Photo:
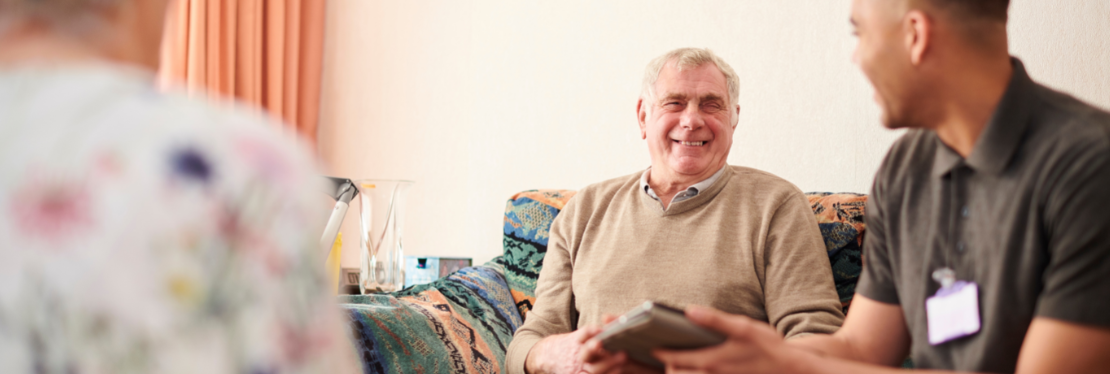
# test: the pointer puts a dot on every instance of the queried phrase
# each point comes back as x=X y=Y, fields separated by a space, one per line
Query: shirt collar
x=946 y=158
x=1000 y=139
x=697 y=187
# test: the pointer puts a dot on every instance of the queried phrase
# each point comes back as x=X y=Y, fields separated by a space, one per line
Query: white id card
x=953 y=312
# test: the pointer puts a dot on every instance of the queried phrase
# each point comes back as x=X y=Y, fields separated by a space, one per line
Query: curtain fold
x=264 y=52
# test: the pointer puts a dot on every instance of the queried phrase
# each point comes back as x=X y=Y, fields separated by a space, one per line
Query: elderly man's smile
x=691 y=144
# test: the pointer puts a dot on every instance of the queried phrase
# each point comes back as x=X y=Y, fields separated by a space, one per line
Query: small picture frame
x=348 y=281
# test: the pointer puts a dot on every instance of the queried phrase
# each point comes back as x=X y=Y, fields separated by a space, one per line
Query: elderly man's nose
x=692 y=119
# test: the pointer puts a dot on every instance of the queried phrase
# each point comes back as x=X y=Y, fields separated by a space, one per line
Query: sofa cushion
x=840 y=218
x=458 y=324
x=528 y=218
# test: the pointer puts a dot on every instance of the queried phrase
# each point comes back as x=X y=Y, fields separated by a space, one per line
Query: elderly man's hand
x=752 y=347
x=577 y=353
x=559 y=354
x=596 y=360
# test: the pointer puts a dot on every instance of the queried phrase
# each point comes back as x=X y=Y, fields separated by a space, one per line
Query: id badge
x=953 y=312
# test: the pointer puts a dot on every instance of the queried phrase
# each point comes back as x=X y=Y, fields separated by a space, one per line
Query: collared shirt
x=1026 y=216
x=681 y=195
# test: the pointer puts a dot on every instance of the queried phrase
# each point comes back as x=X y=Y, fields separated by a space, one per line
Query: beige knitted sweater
x=748 y=244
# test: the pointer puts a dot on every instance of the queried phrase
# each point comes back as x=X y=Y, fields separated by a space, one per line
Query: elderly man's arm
x=799 y=294
x=553 y=316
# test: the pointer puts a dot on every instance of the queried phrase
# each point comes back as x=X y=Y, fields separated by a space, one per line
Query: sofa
x=463 y=323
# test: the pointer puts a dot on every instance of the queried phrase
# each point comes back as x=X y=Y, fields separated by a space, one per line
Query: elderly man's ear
x=736 y=117
x=641 y=116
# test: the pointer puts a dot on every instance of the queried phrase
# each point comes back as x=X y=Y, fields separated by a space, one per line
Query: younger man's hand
x=751 y=347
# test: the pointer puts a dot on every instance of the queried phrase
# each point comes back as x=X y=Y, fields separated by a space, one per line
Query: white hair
x=689 y=58
x=79 y=17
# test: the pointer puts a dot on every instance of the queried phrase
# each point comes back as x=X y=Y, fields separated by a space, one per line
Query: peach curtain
x=264 y=52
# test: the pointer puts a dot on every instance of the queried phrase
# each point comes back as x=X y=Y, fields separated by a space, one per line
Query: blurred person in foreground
x=690 y=229
x=145 y=232
x=988 y=232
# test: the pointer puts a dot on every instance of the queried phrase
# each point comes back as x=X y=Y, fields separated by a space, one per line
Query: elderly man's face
x=690 y=123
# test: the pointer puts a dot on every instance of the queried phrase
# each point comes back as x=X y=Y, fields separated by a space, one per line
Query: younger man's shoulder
x=1071 y=123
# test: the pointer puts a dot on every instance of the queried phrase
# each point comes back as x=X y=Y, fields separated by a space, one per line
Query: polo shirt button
x=964 y=212
x=961 y=247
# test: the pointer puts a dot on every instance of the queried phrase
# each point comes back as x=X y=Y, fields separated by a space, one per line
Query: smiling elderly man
x=689 y=230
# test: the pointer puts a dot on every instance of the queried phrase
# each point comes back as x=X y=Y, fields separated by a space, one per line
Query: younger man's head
x=913 y=51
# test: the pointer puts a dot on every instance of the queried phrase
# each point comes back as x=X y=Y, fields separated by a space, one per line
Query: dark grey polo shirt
x=1026 y=216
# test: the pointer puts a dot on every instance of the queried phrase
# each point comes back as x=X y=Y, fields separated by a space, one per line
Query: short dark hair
x=983 y=10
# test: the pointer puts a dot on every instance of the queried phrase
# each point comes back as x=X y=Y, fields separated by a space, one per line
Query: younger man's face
x=882 y=53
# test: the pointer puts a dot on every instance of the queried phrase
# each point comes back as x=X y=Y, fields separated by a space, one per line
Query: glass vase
x=382 y=217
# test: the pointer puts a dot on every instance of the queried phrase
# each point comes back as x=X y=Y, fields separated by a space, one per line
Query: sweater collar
x=716 y=183
x=687 y=194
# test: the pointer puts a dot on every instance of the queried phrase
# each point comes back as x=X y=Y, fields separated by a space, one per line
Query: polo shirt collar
x=1000 y=139
x=945 y=160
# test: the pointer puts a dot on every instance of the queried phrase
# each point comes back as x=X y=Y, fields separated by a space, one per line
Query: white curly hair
x=689 y=58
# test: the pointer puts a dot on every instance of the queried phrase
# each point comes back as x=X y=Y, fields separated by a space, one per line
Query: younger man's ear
x=918 y=28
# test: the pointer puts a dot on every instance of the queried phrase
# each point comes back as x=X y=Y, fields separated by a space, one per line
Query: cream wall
x=477 y=100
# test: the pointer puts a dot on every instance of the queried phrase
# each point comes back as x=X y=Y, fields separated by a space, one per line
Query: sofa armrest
x=461 y=323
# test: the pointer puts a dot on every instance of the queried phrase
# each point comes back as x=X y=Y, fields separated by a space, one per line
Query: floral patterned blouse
x=144 y=232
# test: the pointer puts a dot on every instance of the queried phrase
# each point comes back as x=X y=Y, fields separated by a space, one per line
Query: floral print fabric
x=145 y=232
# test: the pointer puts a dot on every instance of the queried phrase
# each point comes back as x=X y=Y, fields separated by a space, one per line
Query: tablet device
x=652 y=326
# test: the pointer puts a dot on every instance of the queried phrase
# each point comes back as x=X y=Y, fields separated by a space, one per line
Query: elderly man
x=987 y=247
x=689 y=230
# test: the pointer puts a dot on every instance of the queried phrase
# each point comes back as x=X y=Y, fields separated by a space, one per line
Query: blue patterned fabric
x=528 y=218
x=458 y=324
x=841 y=220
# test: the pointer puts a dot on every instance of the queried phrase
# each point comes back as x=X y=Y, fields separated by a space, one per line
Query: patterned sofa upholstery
x=463 y=323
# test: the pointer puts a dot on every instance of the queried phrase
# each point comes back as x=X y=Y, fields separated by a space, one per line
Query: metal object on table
x=343 y=190
x=381 y=217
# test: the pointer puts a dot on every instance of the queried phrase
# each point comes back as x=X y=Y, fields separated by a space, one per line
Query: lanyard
x=946 y=276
